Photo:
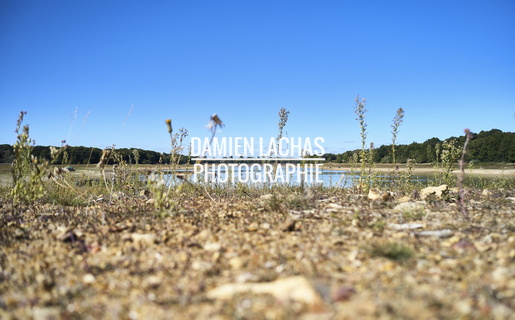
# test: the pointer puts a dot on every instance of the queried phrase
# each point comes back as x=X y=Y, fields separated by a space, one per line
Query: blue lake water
x=326 y=178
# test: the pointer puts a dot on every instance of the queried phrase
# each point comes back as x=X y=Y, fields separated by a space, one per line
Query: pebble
x=445 y=233
x=88 y=278
x=408 y=206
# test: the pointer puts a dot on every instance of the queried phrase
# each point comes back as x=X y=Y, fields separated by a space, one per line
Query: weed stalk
x=360 y=112
x=463 y=209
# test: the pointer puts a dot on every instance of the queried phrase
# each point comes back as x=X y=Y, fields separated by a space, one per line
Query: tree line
x=486 y=146
x=91 y=155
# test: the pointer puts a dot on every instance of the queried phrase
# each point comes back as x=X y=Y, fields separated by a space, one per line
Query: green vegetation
x=360 y=113
x=397 y=121
x=117 y=172
x=390 y=250
x=157 y=184
x=493 y=146
x=90 y=155
x=27 y=170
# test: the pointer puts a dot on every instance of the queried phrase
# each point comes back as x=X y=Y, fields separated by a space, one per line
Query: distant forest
x=85 y=155
x=486 y=146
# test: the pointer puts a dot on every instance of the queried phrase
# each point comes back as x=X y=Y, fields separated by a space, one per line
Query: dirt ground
x=294 y=255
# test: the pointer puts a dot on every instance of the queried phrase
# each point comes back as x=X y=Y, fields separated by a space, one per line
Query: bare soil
x=292 y=255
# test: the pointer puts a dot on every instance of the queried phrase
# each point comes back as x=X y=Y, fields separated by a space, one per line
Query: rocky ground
x=294 y=255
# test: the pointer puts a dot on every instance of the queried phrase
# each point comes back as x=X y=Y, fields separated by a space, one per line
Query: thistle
x=214 y=122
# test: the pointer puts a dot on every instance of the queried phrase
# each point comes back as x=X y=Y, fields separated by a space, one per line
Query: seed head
x=214 y=122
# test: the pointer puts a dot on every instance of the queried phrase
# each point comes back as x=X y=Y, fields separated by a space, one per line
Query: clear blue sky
x=450 y=64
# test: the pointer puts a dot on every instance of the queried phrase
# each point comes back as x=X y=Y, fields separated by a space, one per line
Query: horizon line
x=259 y=159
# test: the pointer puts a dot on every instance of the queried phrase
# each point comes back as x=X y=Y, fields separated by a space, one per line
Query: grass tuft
x=390 y=250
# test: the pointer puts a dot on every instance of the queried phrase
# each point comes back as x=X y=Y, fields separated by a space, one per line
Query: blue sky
x=78 y=67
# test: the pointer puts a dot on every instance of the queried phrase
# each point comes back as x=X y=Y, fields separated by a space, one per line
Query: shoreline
x=93 y=171
x=428 y=170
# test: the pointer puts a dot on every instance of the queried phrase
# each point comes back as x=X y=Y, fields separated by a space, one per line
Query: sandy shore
x=499 y=170
x=427 y=170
